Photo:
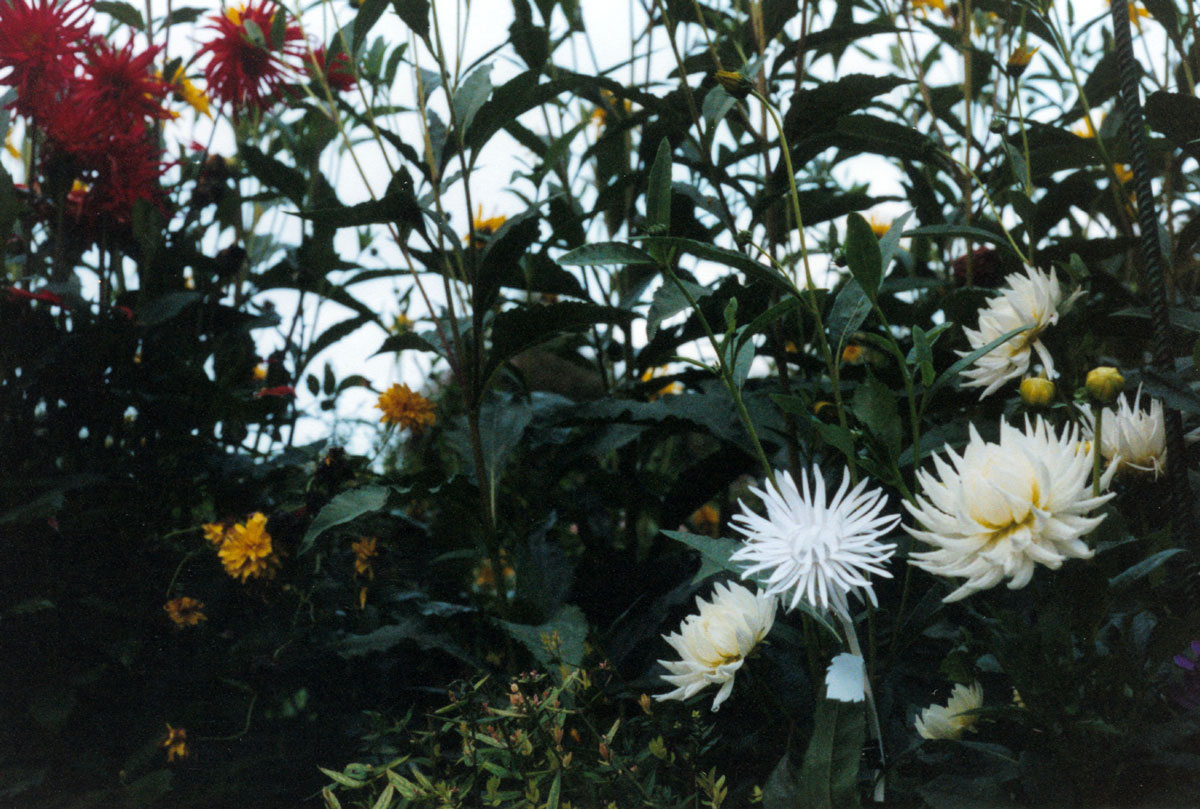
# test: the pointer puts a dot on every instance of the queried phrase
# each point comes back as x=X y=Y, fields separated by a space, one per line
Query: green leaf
x=863 y=254
x=471 y=96
x=605 y=253
x=947 y=376
x=850 y=309
x=342 y=509
x=669 y=300
x=121 y=12
x=10 y=206
x=408 y=341
x=415 y=14
x=890 y=242
x=562 y=638
x=964 y=232
x=658 y=191
x=502 y=422
x=828 y=778
x=721 y=255
x=1142 y=568
x=714 y=553
x=368 y=14
x=410 y=629
x=875 y=406
x=274 y=174
x=515 y=330
x=835 y=436
x=165 y=307
x=921 y=355
x=781 y=790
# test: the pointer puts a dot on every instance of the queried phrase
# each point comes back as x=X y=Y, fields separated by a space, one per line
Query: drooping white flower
x=998 y=509
x=1131 y=439
x=818 y=550
x=1033 y=301
x=958 y=714
x=713 y=643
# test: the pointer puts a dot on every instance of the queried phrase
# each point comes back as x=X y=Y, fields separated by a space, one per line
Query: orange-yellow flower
x=403 y=406
x=878 y=226
x=853 y=355
x=706 y=520
x=484 y=226
x=217 y=532
x=668 y=390
x=185 y=611
x=923 y=6
x=248 y=553
x=1019 y=60
x=364 y=551
x=485 y=575
x=600 y=114
x=175 y=743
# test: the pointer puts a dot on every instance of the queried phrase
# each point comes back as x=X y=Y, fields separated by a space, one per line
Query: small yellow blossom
x=403 y=323
x=260 y=373
x=706 y=520
x=1104 y=383
x=216 y=532
x=878 y=226
x=485 y=575
x=600 y=114
x=175 y=743
x=1085 y=128
x=403 y=406
x=923 y=6
x=1122 y=172
x=247 y=553
x=484 y=226
x=1019 y=59
x=185 y=611
x=365 y=550
x=672 y=389
x=234 y=13
x=853 y=354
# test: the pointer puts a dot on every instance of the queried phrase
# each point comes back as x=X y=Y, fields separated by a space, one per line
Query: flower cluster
x=1031 y=301
x=714 y=643
x=258 y=52
x=245 y=549
x=999 y=509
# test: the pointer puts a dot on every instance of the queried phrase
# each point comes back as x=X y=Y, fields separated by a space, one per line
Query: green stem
x=873 y=726
x=1097 y=418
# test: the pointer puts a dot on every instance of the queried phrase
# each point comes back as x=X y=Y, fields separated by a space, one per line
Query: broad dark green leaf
x=850 y=309
x=274 y=174
x=1142 y=568
x=406 y=342
x=342 y=509
x=724 y=256
x=515 y=330
x=670 y=300
x=863 y=254
x=165 y=307
x=828 y=778
x=560 y=640
x=471 y=95
x=658 y=191
x=368 y=14
x=605 y=253
x=875 y=406
x=415 y=14
x=121 y=12
x=714 y=553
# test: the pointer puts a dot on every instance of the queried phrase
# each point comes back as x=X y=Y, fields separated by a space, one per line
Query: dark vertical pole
x=1153 y=264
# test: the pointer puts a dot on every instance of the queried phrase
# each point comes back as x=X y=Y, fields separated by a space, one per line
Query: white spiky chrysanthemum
x=997 y=510
x=958 y=714
x=820 y=551
x=713 y=643
x=1132 y=439
x=1033 y=301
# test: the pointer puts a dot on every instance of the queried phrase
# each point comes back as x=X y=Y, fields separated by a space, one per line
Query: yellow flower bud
x=1037 y=391
x=1104 y=383
x=734 y=83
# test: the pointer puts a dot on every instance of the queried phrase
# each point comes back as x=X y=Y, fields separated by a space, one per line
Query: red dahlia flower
x=123 y=85
x=339 y=75
x=39 y=44
x=243 y=68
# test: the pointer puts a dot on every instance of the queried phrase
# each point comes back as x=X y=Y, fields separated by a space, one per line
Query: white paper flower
x=1032 y=300
x=1132 y=439
x=714 y=643
x=998 y=509
x=950 y=720
x=820 y=551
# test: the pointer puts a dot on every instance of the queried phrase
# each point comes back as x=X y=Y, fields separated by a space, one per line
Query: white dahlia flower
x=1131 y=439
x=958 y=714
x=714 y=643
x=819 y=550
x=997 y=509
x=1032 y=300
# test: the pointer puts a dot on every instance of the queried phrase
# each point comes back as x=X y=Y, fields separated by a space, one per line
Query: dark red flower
x=121 y=84
x=40 y=44
x=17 y=294
x=281 y=391
x=244 y=69
x=339 y=75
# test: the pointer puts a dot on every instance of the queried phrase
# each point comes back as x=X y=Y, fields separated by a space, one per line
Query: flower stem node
x=1037 y=391
x=1105 y=383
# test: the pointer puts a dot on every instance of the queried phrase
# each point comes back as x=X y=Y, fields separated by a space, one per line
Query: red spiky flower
x=338 y=73
x=40 y=44
x=244 y=69
x=121 y=84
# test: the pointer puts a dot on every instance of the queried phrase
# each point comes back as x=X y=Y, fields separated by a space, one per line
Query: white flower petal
x=846 y=679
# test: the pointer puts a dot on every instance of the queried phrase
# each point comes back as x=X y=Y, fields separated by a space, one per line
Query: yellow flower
x=1104 y=383
x=1085 y=128
x=364 y=551
x=706 y=520
x=1037 y=391
x=403 y=323
x=1019 y=60
x=734 y=83
x=957 y=715
x=234 y=13
x=878 y=226
x=216 y=532
x=485 y=575
x=187 y=92
x=175 y=743
x=853 y=355
x=923 y=6
x=247 y=553
x=260 y=373
x=600 y=114
x=484 y=226
x=403 y=406
x=185 y=611
x=1122 y=173
x=669 y=390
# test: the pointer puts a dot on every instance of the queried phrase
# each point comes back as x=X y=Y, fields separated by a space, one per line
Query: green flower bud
x=1105 y=383
x=1037 y=391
